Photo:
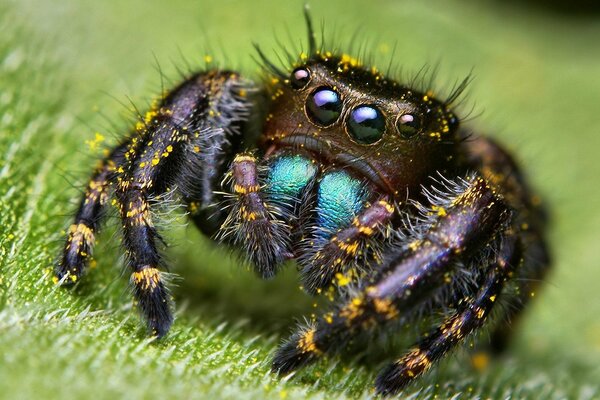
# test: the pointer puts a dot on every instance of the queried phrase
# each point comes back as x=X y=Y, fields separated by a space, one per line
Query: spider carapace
x=390 y=207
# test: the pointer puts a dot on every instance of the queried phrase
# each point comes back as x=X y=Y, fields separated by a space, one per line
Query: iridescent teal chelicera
x=288 y=175
x=340 y=197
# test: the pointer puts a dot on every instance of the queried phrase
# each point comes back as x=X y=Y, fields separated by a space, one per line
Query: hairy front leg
x=264 y=207
x=336 y=260
x=465 y=222
x=498 y=166
x=472 y=313
x=178 y=146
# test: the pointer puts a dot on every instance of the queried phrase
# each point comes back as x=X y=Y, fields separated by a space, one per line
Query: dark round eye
x=366 y=124
x=453 y=122
x=300 y=78
x=324 y=106
x=408 y=125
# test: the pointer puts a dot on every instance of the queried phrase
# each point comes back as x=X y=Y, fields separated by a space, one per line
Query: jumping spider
x=386 y=203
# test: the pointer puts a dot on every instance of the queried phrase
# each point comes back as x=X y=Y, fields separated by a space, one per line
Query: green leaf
x=67 y=71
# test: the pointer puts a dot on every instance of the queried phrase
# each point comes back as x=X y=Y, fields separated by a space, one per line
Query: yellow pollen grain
x=385 y=307
x=414 y=245
x=440 y=211
x=150 y=116
x=95 y=143
x=352 y=310
x=342 y=280
x=480 y=360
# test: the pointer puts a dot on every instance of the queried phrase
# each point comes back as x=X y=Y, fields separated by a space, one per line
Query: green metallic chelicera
x=289 y=175
x=339 y=199
x=339 y=196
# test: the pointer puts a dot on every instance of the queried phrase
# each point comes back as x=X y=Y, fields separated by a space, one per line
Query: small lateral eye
x=366 y=124
x=300 y=78
x=453 y=123
x=324 y=106
x=408 y=125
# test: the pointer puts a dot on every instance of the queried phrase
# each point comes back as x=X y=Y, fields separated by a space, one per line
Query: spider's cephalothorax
x=387 y=205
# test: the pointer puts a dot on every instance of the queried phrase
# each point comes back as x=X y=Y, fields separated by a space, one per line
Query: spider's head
x=349 y=115
x=346 y=114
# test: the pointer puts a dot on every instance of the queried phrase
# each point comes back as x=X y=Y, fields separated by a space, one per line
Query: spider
x=390 y=207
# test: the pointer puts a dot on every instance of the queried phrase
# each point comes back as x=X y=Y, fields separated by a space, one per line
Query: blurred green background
x=69 y=69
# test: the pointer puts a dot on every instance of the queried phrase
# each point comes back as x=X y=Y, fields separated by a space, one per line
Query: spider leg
x=469 y=221
x=497 y=165
x=194 y=117
x=81 y=237
x=139 y=239
x=178 y=142
x=536 y=263
x=337 y=256
x=471 y=315
x=255 y=224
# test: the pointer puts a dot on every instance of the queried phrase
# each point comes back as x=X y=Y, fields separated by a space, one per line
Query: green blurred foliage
x=69 y=70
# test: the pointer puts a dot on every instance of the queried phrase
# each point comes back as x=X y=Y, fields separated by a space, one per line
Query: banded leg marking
x=253 y=222
x=82 y=232
x=407 y=277
x=470 y=316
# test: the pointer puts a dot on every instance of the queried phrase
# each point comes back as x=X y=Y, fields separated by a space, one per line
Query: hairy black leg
x=139 y=239
x=177 y=146
x=497 y=165
x=536 y=262
x=177 y=141
x=82 y=232
x=464 y=224
x=336 y=261
x=471 y=315
x=253 y=223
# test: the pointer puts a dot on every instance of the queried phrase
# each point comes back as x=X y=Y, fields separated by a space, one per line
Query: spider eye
x=408 y=125
x=366 y=124
x=324 y=106
x=453 y=123
x=300 y=78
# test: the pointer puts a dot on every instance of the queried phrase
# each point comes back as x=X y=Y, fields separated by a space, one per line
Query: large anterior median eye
x=366 y=124
x=324 y=106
